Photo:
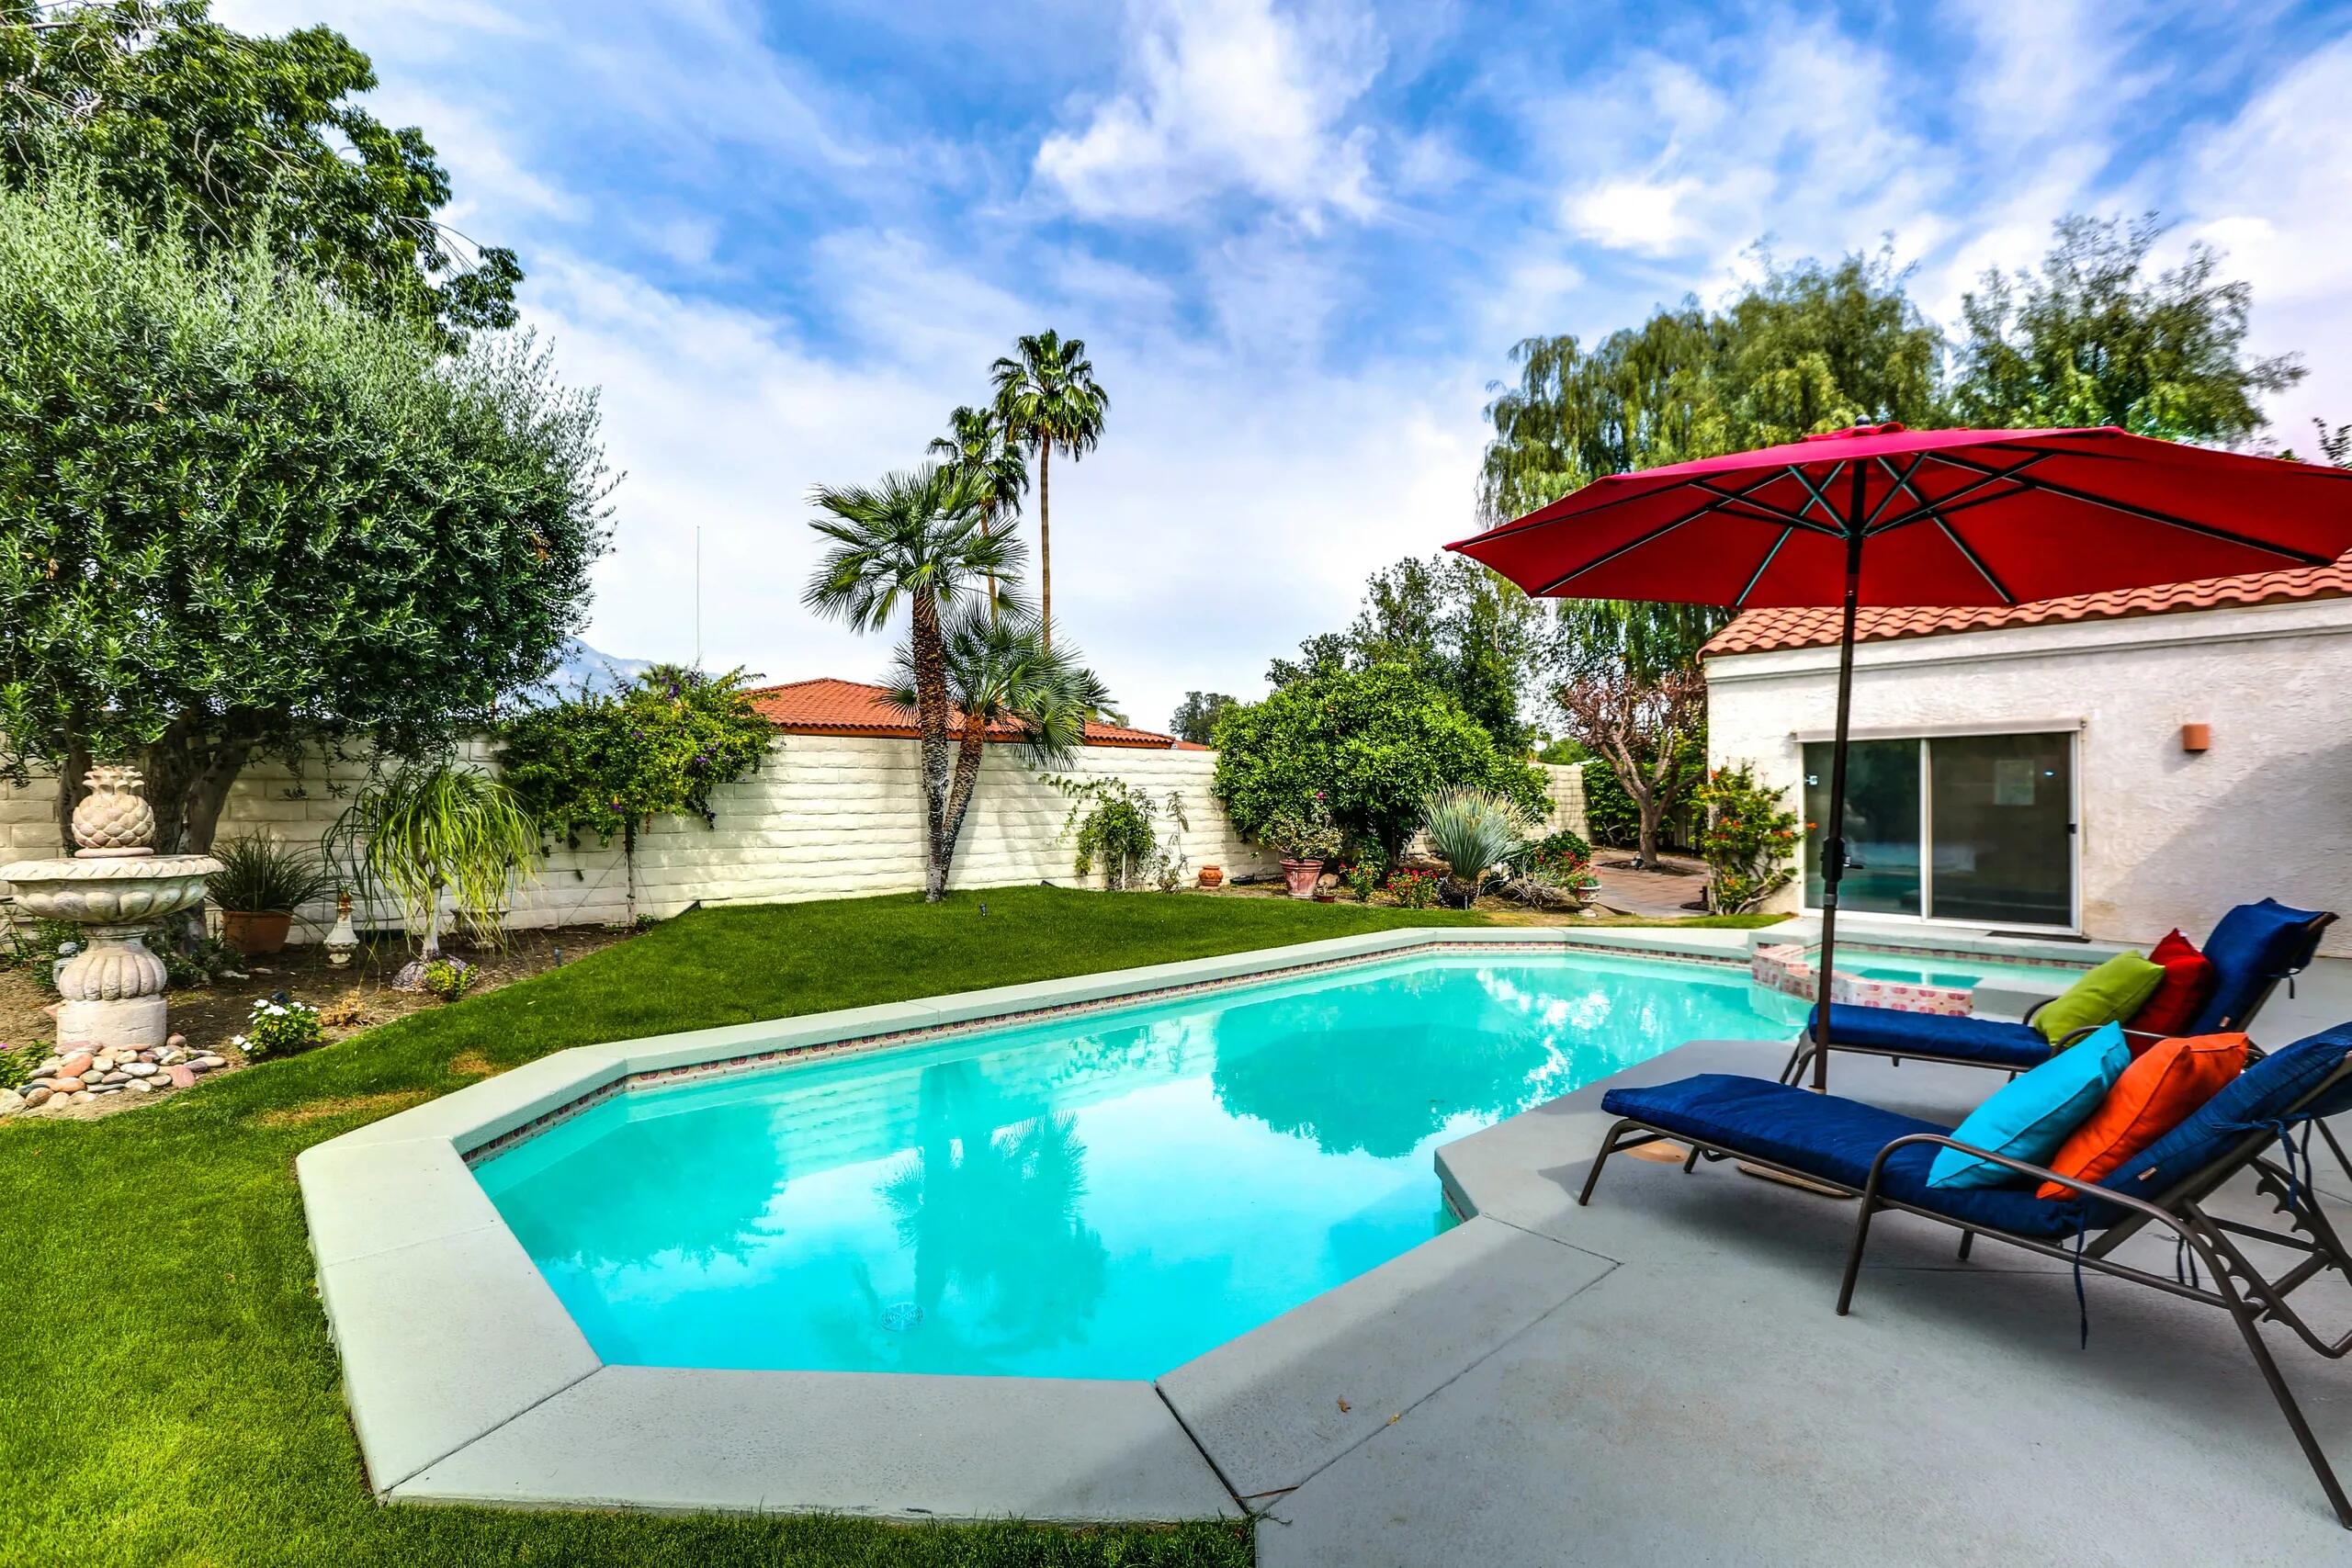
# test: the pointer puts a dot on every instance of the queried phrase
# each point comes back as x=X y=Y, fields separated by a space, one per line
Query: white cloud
x=1226 y=95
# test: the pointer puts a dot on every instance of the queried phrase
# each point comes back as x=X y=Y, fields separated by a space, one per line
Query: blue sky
x=1299 y=240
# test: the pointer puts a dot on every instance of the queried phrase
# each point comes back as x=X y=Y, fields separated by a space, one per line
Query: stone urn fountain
x=115 y=887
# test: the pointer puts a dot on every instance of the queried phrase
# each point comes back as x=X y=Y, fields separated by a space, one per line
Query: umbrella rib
x=1663 y=529
x=1977 y=561
x=1746 y=497
x=1958 y=499
x=1902 y=486
x=1798 y=474
x=1771 y=554
x=2149 y=515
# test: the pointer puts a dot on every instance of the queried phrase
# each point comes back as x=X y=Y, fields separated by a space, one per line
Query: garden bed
x=350 y=999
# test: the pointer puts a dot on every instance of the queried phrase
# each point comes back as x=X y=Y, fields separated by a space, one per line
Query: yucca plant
x=265 y=876
x=1474 y=832
x=431 y=827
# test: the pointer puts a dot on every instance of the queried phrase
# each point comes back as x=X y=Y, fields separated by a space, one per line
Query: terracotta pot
x=255 y=932
x=1212 y=876
x=1301 y=875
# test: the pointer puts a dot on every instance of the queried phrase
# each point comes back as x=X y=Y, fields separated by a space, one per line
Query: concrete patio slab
x=1279 y=1403
x=1679 y=1414
x=891 y=1447
x=443 y=1340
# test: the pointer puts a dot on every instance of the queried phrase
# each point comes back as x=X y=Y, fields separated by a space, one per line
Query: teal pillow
x=2030 y=1116
x=2116 y=989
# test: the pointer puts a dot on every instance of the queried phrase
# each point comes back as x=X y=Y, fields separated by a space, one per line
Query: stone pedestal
x=135 y=1021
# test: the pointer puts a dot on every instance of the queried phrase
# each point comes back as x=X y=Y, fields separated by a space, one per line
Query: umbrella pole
x=1833 y=845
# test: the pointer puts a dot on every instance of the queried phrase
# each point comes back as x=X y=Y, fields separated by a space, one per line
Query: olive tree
x=242 y=517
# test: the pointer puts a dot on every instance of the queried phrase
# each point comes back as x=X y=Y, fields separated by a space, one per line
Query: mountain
x=582 y=666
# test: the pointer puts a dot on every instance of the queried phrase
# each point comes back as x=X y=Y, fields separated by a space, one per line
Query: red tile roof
x=827 y=707
x=1758 y=631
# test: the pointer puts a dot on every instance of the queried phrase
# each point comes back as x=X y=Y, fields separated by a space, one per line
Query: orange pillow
x=2155 y=1095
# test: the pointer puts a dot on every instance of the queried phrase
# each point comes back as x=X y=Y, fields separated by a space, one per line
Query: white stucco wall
x=2167 y=838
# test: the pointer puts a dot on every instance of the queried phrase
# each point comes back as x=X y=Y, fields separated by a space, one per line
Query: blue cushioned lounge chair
x=1883 y=1158
x=2253 y=948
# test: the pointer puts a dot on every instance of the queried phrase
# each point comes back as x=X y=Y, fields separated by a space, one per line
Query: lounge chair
x=2253 y=948
x=1883 y=1158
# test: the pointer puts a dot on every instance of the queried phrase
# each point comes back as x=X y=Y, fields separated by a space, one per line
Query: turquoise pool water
x=1104 y=1196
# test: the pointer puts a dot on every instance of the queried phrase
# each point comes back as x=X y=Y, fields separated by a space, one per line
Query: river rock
x=182 y=1076
x=141 y=1070
x=10 y=1103
x=68 y=1085
x=74 y=1064
x=83 y=1098
x=50 y=1066
x=141 y=1085
x=36 y=1096
x=208 y=1063
x=117 y=1078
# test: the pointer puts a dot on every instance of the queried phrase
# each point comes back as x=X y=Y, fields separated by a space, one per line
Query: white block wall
x=824 y=817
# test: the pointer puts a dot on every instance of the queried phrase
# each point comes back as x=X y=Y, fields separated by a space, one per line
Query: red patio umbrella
x=1881 y=515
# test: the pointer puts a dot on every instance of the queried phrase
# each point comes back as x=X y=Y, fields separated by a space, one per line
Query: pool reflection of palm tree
x=992 y=1206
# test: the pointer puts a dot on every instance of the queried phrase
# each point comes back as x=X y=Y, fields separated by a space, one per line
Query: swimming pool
x=1100 y=1196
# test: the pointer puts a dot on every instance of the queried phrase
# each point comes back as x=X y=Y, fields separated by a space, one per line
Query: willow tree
x=246 y=517
x=1047 y=401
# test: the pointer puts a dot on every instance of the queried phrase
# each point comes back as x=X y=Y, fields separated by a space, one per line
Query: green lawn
x=167 y=1394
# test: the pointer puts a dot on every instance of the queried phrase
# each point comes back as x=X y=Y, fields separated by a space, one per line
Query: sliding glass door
x=1953 y=827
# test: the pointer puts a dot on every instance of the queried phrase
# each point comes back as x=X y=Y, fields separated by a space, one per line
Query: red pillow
x=2188 y=985
x=2155 y=1095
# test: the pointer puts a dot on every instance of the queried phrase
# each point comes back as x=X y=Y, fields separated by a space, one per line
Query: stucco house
x=2111 y=765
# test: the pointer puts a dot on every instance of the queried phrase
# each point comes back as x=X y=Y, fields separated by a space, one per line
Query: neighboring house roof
x=827 y=707
x=1761 y=631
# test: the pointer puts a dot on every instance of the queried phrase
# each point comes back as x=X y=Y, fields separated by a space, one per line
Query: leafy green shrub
x=35 y=945
x=187 y=963
x=1377 y=740
x=434 y=826
x=1113 y=824
x=279 y=1026
x=264 y=876
x=1364 y=878
x=1749 y=839
x=608 y=764
x=1560 y=855
x=448 y=978
x=16 y=1064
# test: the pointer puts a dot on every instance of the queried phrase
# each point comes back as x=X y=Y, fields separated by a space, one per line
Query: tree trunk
x=1045 y=541
x=76 y=763
x=930 y=716
x=1652 y=808
x=628 y=868
x=973 y=737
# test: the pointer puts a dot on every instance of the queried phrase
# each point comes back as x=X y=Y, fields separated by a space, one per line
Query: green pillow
x=2108 y=994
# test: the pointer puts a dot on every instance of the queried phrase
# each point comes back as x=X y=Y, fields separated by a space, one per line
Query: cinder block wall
x=825 y=816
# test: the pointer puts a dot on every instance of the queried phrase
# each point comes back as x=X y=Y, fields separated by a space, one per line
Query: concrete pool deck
x=1659 y=1377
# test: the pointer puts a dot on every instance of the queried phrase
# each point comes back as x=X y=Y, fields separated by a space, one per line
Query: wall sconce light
x=2196 y=736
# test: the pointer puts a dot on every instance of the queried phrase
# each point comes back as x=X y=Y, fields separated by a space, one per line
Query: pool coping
x=468 y=1382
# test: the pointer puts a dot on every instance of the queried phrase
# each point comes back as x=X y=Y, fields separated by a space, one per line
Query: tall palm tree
x=977 y=440
x=1002 y=674
x=916 y=540
x=1048 y=401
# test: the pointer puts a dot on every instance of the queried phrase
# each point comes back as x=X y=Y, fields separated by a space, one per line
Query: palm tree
x=977 y=440
x=915 y=538
x=1047 y=401
x=1002 y=674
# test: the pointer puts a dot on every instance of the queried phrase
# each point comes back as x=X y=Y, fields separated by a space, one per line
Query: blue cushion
x=1986 y=1041
x=1835 y=1140
x=2029 y=1117
x=2257 y=1097
x=2254 y=945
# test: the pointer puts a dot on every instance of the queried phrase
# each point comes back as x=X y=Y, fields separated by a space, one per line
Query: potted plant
x=1305 y=837
x=259 y=885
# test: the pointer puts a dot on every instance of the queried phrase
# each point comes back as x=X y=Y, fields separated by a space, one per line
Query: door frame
x=1924 y=734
